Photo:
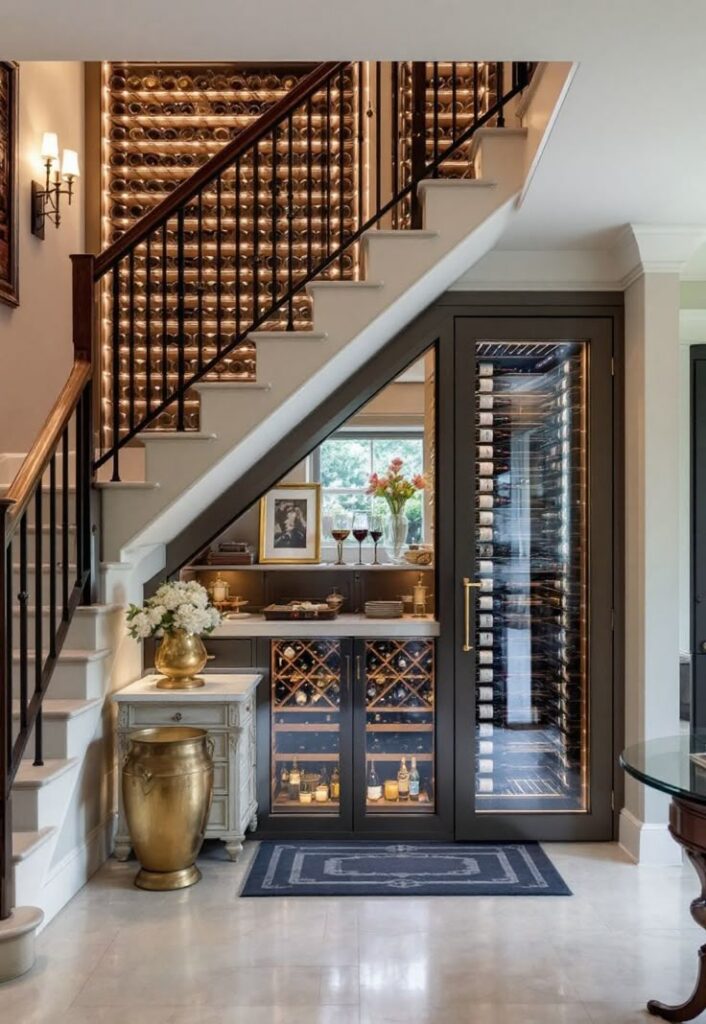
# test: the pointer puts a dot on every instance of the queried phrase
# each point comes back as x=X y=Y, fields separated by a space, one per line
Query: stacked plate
x=383 y=609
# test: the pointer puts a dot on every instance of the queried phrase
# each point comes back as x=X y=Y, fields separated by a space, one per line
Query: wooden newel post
x=6 y=873
x=84 y=309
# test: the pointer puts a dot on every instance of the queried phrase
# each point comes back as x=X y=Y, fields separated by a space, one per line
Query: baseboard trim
x=648 y=843
x=75 y=868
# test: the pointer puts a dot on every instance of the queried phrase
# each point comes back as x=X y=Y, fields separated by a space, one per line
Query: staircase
x=69 y=652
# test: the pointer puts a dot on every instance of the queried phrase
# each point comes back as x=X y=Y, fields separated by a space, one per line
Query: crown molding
x=655 y=249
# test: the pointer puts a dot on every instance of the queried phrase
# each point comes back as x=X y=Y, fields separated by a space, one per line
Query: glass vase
x=395 y=536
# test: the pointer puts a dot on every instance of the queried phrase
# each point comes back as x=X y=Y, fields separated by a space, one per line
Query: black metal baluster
x=327 y=196
x=23 y=597
x=65 y=528
x=476 y=98
x=38 y=661
x=255 y=312
x=165 y=321
x=418 y=149
x=52 y=557
x=219 y=265
x=309 y=186
x=341 y=154
x=78 y=497
x=6 y=887
x=116 y=373
x=273 y=214
x=148 y=325
x=199 y=283
x=499 y=92
x=360 y=140
x=395 y=140
x=435 y=112
x=237 y=249
x=290 y=223
x=453 y=101
x=378 y=137
x=181 y=420
x=88 y=594
x=131 y=340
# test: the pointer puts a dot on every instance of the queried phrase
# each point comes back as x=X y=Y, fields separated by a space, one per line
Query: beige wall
x=35 y=338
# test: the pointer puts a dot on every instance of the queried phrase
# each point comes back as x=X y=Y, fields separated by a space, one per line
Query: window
x=344 y=462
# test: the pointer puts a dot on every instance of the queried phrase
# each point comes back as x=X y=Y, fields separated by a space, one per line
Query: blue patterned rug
x=355 y=868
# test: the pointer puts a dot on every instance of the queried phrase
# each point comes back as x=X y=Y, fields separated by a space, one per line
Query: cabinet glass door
x=307 y=680
x=535 y=581
x=399 y=682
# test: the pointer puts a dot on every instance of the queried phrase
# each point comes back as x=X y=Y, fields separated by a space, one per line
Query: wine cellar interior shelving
x=531 y=699
x=306 y=726
x=399 y=702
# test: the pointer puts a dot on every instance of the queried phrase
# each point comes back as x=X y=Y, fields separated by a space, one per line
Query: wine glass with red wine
x=340 y=531
x=376 y=535
x=360 y=532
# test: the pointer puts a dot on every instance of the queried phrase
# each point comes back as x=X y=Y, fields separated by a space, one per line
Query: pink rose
x=419 y=481
x=397 y=463
x=383 y=482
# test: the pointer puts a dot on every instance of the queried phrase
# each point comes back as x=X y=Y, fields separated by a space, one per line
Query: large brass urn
x=167 y=787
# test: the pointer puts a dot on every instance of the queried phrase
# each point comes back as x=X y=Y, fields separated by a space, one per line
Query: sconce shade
x=69 y=164
x=50 y=146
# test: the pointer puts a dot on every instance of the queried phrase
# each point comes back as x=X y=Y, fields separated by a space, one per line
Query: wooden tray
x=291 y=612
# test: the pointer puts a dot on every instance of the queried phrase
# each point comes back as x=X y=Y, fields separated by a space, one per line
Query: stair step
x=68 y=726
x=92 y=628
x=30 y=776
x=231 y=385
x=60 y=709
x=125 y=485
x=40 y=793
x=332 y=286
x=171 y=435
x=25 y=843
x=77 y=675
x=413 y=234
x=258 y=336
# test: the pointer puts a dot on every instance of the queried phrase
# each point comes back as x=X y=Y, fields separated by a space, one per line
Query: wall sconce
x=46 y=202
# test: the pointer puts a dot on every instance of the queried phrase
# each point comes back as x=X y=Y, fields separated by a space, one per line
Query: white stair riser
x=351 y=308
x=31 y=579
x=87 y=632
x=37 y=807
x=71 y=680
x=399 y=261
x=171 y=451
x=498 y=153
x=30 y=873
x=63 y=737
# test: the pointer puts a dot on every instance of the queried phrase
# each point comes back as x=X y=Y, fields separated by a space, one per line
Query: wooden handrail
x=215 y=166
x=32 y=469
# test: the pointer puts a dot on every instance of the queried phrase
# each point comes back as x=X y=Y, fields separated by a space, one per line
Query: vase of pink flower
x=396 y=489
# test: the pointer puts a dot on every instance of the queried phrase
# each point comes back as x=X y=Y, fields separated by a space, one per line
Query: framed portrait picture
x=290 y=524
x=9 y=76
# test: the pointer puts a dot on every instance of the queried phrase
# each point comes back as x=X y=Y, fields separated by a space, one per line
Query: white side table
x=225 y=706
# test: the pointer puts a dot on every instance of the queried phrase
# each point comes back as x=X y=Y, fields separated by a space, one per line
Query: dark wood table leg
x=687 y=823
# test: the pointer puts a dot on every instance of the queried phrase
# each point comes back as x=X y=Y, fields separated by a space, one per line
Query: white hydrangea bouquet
x=175 y=606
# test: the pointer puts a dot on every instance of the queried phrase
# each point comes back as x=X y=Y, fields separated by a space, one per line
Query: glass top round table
x=674 y=765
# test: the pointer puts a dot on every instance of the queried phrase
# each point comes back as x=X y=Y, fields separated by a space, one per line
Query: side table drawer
x=200 y=715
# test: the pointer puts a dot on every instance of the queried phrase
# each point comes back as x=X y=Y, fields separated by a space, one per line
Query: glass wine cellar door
x=534 y=578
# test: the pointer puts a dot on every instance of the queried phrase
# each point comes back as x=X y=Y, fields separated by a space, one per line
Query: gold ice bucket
x=167 y=787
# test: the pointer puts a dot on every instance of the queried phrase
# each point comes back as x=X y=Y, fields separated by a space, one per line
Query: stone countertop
x=345 y=625
x=220 y=686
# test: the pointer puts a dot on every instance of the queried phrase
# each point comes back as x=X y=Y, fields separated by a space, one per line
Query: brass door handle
x=467 y=585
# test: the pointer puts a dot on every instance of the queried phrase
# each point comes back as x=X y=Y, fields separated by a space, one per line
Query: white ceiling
x=630 y=142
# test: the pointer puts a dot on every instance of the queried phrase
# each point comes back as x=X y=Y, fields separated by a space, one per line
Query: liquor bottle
x=295 y=780
x=374 y=786
x=413 y=780
x=335 y=784
x=284 y=782
x=403 y=780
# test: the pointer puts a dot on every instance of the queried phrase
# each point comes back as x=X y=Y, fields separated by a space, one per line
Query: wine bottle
x=295 y=780
x=335 y=783
x=374 y=786
x=413 y=781
x=403 y=780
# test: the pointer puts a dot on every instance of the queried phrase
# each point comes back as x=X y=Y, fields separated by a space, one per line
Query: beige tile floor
x=204 y=956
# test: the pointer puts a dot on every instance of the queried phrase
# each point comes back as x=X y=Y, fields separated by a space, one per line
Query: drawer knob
x=177 y=717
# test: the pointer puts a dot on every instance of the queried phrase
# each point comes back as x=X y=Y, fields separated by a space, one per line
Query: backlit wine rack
x=531 y=674
x=399 y=685
x=161 y=122
x=305 y=717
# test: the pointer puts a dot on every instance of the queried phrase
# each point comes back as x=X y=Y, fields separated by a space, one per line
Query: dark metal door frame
x=698 y=536
x=597 y=822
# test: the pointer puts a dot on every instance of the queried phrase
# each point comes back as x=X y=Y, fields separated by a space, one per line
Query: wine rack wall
x=531 y=697
x=161 y=122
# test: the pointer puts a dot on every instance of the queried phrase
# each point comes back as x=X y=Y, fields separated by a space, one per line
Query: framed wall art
x=290 y=518
x=9 y=79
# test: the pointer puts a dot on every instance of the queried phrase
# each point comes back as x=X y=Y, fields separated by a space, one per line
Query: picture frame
x=9 y=255
x=290 y=525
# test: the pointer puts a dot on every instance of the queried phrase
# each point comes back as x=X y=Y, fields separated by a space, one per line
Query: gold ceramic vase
x=167 y=788
x=179 y=657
